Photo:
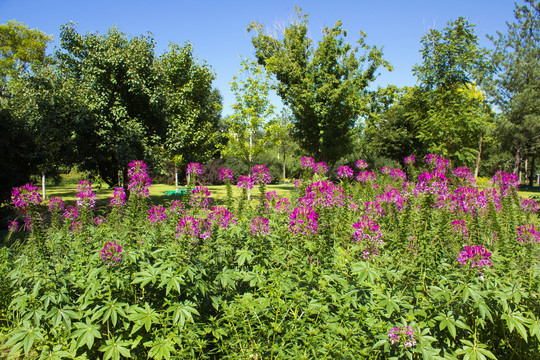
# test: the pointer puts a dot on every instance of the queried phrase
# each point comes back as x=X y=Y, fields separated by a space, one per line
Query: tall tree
x=325 y=87
x=247 y=134
x=451 y=113
x=516 y=88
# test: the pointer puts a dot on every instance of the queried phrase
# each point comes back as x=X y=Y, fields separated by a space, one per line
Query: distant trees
x=324 y=87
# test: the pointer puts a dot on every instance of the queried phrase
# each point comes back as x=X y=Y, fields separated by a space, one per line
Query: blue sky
x=217 y=29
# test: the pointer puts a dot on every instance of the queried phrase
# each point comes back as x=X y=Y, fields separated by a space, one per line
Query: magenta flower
x=111 y=253
x=320 y=168
x=303 y=221
x=193 y=227
x=437 y=162
x=460 y=227
x=282 y=206
x=118 y=198
x=322 y=194
x=409 y=160
x=226 y=175
x=85 y=196
x=222 y=217
x=99 y=220
x=176 y=207
x=194 y=169
x=527 y=234
x=397 y=174
x=56 y=204
x=366 y=177
x=245 y=182
x=200 y=197
x=26 y=196
x=308 y=162
x=475 y=256
x=345 y=172
x=529 y=205
x=298 y=183
x=13 y=226
x=261 y=175
x=368 y=233
x=139 y=180
x=157 y=214
x=71 y=213
x=508 y=183
x=260 y=227
x=361 y=164
x=462 y=173
x=403 y=336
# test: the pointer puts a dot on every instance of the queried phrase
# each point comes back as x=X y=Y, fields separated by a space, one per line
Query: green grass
x=218 y=193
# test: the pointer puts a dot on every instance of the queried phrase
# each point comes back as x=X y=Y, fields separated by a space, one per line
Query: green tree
x=451 y=113
x=516 y=88
x=21 y=49
x=247 y=128
x=325 y=88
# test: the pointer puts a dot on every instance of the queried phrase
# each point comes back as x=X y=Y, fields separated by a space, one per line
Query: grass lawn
x=218 y=193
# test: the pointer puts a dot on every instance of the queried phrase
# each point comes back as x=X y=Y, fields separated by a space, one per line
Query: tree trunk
x=43 y=185
x=531 y=175
x=284 y=169
x=517 y=160
x=478 y=159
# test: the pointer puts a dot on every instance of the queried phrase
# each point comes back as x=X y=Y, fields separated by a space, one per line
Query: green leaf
x=113 y=348
x=86 y=333
x=160 y=349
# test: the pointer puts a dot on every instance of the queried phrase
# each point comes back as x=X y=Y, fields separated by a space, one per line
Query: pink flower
x=222 y=217
x=56 y=204
x=409 y=160
x=111 y=253
x=118 y=198
x=460 y=227
x=361 y=164
x=527 y=234
x=308 y=162
x=157 y=214
x=26 y=196
x=85 y=196
x=200 y=197
x=366 y=177
x=194 y=169
x=139 y=180
x=475 y=256
x=259 y=227
x=245 y=182
x=323 y=194
x=508 y=183
x=226 y=175
x=403 y=335
x=345 y=172
x=303 y=221
x=261 y=175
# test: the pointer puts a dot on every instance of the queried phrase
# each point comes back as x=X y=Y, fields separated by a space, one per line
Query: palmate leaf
x=160 y=349
x=114 y=348
x=62 y=315
x=86 y=333
x=182 y=313
x=143 y=317
x=55 y=353
x=24 y=337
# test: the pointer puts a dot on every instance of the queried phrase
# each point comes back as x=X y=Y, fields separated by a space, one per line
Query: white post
x=176 y=177
x=43 y=185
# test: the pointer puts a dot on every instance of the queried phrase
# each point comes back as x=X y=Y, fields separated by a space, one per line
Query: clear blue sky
x=217 y=28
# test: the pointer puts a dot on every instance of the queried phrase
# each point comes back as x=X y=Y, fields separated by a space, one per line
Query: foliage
x=515 y=89
x=385 y=270
x=324 y=87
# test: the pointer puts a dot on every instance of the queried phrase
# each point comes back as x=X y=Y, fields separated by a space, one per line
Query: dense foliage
x=421 y=264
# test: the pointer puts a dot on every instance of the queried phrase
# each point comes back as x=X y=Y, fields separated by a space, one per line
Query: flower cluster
x=431 y=183
x=303 y=221
x=139 y=180
x=71 y=213
x=366 y=177
x=439 y=163
x=460 y=227
x=529 y=205
x=282 y=206
x=323 y=194
x=394 y=173
x=118 y=198
x=318 y=168
x=193 y=227
x=157 y=214
x=261 y=175
x=345 y=172
x=245 y=182
x=508 y=183
x=13 y=226
x=111 y=253
x=226 y=175
x=176 y=207
x=85 y=196
x=463 y=173
x=259 y=227
x=25 y=196
x=361 y=164
x=409 y=160
x=527 y=234
x=392 y=196
x=402 y=335
x=194 y=169
x=200 y=197
x=475 y=256
x=308 y=162
x=222 y=217
x=368 y=233
x=56 y=204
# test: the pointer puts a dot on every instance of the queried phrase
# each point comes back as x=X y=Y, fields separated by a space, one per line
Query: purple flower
x=323 y=194
x=118 y=198
x=368 y=233
x=361 y=164
x=26 y=196
x=200 y=197
x=226 y=175
x=85 y=196
x=56 y=204
x=99 y=220
x=475 y=256
x=111 y=253
x=194 y=169
x=320 y=168
x=527 y=234
x=462 y=173
x=529 y=205
x=345 y=172
x=437 y=162
x=397 y=174
x=71 y=213
x=403 y=336
x=13 y=226
x=308 y=162
x=460 y=227
x=245 y=182
x=366 y=177
x=139 y=180
x=222 y=217
x=176 y=207
x=193 y=227
x=508 y=183
x=157 y=214
x=282 y=206
x=259 y=227
x=409 y=160
x=261 y=175
x=303 y=221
